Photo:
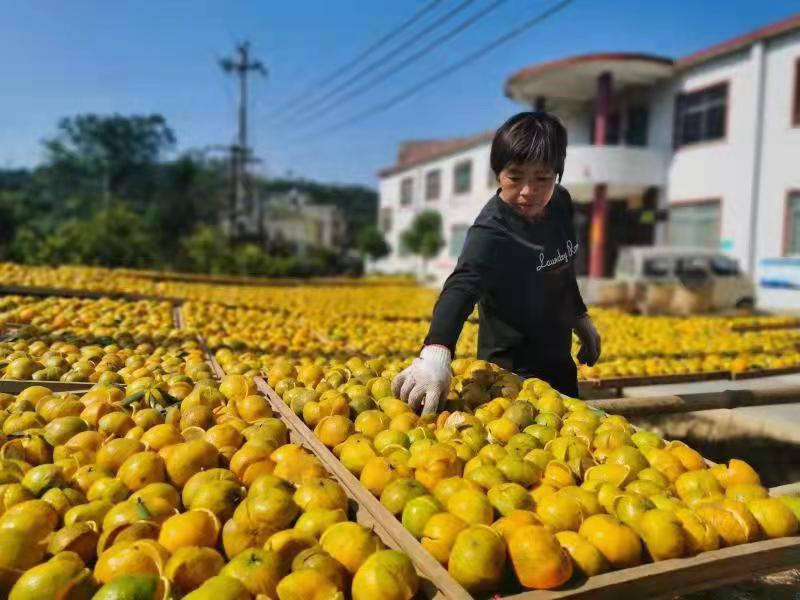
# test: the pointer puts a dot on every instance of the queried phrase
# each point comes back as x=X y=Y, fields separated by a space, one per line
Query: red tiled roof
x=584 y=58
x=416 y=152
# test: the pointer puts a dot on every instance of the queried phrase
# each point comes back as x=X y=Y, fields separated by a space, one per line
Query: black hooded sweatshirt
x=522 y=275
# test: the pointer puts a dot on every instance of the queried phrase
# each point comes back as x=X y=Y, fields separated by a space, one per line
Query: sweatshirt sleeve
x=579 y=307
x=462 y=289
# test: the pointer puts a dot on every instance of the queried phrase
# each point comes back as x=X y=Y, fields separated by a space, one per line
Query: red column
x=597 y=232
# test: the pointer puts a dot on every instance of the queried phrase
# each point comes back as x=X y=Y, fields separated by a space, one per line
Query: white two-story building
x=702 y=150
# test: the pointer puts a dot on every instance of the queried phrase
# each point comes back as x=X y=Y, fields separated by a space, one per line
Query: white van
x=728 y=286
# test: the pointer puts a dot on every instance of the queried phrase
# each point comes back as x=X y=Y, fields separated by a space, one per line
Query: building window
x=406 y=191
x=386 y=220
x=402 y=249
x=433 y=185
x=462 y=177
x=457 y=236
x=793 y=224
x=636 y=127
x=695 y=225
x=796 y=106
x=701 y=116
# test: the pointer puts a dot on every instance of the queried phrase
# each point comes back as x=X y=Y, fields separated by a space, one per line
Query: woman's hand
x=590 y=340
x=426 y=382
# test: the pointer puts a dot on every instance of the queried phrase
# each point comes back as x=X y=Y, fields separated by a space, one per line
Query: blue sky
x=63 y=58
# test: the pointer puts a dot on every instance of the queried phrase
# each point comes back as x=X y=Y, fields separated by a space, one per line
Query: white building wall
x=779 y=163
x=455 y=209
x=721 y=169
x=780 y=159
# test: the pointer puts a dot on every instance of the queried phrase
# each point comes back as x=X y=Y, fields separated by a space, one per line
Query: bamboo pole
x=662 y=405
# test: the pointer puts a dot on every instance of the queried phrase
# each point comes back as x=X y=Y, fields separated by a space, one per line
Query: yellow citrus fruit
x=698 y=535
x=561 y=512
x=585 y=557
x=662 y=533
x=774 y=517
x=386 y=574
x=538 y=559
x=478 y=559
x=472 y=507
x=220 y=587
x=198 y=527
x=259 y=570
x=308 y=584
x=440 y=534
x=617 y=542
x=506 y=525
x=731 y=519
x=350 y=544
x=189 y=567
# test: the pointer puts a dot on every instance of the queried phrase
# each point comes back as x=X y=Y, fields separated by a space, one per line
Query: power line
x=315 y=86
x=387 y=57
x=441 y=73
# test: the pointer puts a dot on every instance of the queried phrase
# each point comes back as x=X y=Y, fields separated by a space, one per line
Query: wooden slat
x=9 y=290
x=623 y=382
x=177 y=317
x=15 y=386
x=670 y=578
x=662 y=405
x=653 y=580
x=765 y=373
x=767 y=326
x=216 y=369
x=365 y=518
x=426 y=564
x=790 y=489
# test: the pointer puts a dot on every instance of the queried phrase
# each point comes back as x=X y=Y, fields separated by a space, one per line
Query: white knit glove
x=426 y=382
x=590 y=340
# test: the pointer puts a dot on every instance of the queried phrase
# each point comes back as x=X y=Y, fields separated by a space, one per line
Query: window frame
x=677 y=121
x=649 y=263
x=796 y=100
x=791 y=196
x=428 y=196
x=692 y=203
x=453 y=229
x=461 y=164
x=406 y=185
x=385 y=220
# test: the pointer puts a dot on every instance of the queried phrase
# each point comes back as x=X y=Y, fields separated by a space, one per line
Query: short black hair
x=533 y=136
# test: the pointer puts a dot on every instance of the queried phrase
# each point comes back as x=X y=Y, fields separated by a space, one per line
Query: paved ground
x=781 y=422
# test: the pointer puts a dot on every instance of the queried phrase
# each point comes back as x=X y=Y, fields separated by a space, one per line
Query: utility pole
x=241 y=66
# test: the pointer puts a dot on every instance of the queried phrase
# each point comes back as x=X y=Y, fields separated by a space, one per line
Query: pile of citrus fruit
x=388 y=317
x=106 y=498
x=514 y=477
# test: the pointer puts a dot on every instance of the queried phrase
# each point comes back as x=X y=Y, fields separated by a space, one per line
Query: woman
x=518 y=264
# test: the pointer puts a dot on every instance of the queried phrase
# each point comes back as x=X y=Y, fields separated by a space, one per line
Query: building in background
x=292 y=221
x=700 y=151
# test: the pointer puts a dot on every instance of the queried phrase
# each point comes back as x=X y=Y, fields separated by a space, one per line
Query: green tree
x=107 y=156
x=424 y=236
x=250 y=259
x=371 y=243
x=112 y=237
x=10 y=219
x=207 y=250
x=188 y=193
